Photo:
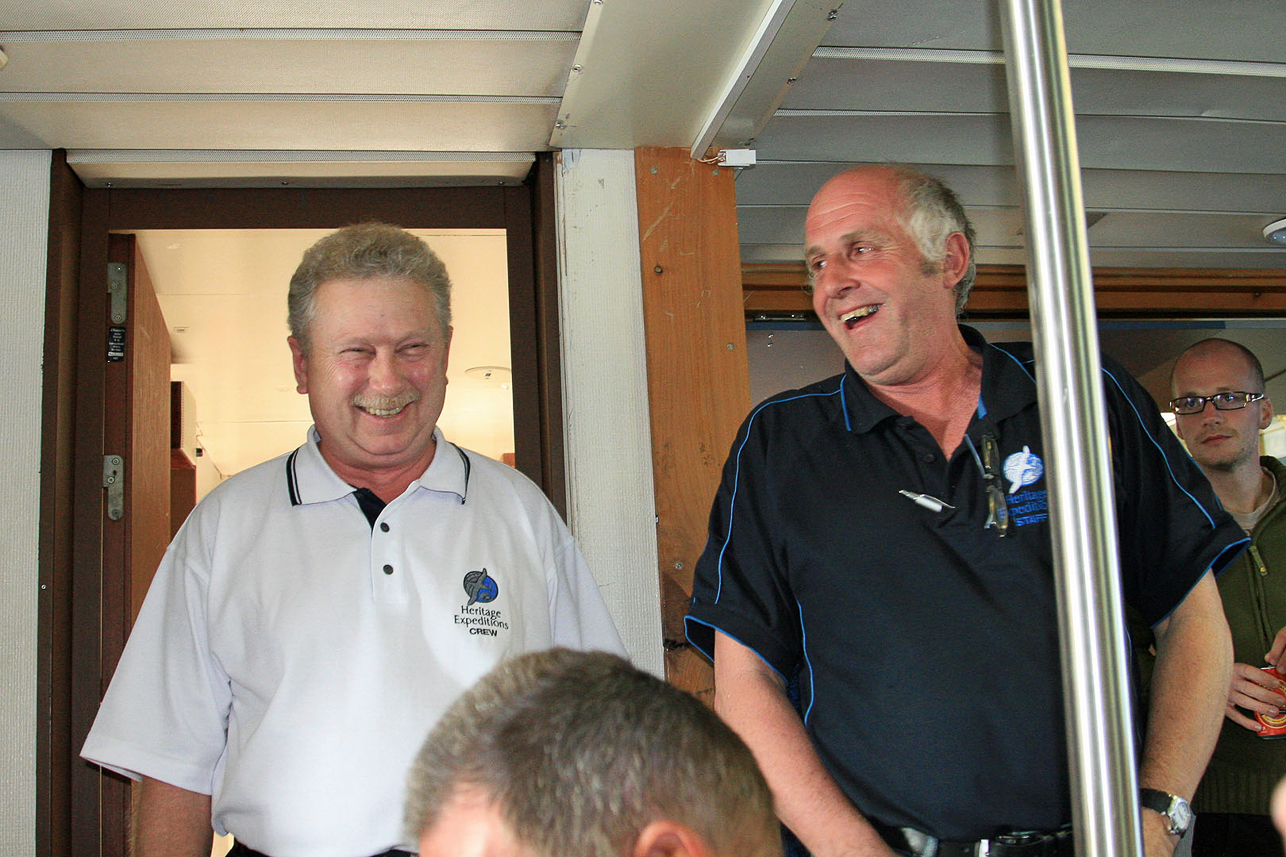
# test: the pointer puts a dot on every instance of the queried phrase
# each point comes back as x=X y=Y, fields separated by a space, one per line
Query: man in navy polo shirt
x=881 y=537
x=317 y=613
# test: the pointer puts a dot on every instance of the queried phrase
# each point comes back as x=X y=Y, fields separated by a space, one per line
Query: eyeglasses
x=1230 y=401
x=997 y=508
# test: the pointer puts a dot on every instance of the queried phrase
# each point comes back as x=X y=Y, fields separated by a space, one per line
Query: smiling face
x=890 y=311
x=1219 y=440
x=375 y=375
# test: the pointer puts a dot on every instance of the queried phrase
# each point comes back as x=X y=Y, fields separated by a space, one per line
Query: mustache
x=385 y=403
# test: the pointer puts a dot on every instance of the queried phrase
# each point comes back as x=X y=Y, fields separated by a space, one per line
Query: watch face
x=1180 y=815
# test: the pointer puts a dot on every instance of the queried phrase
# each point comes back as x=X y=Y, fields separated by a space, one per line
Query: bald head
x=1223 y=353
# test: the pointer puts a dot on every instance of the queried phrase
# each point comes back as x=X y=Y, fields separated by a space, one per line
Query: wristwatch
x=1176 y=810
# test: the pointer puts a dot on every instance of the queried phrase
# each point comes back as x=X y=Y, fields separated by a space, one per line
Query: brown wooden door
x=137 y=420
x=135 y=517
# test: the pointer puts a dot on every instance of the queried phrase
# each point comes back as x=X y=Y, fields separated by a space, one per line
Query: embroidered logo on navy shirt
x=481 y=621
x=1028 y=507
x=1023 y=469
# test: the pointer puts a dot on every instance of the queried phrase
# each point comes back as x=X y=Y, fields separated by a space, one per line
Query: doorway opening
x=86 y=609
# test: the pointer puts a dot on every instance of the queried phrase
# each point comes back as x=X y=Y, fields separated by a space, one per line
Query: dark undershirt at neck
x=371 y=504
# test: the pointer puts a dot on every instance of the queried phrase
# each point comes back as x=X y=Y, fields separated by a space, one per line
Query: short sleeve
x=165 y=712
x=1171 y=527
x=740 y=587
x=579 y=617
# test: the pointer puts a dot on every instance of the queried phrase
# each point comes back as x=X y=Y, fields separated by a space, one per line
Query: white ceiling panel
x=260 y=168
x=833 y=83
x=844 y=138
x=966 y=87
x=793 y=183
x=1248 y=30
x=135 y=15
x=330 y=124
x=1140 y=143
x=481 y=66
x=1196 y=231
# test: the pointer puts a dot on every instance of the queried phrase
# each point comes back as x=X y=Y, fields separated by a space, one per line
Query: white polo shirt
x=289 y=659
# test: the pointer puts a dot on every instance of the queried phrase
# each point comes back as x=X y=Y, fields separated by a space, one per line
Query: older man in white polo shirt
x=318 y=612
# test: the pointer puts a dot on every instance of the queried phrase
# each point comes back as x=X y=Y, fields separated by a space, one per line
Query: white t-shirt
x=289 y=659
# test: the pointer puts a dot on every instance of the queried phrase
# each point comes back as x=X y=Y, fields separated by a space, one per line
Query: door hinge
x=114 y=482
x=117 y=278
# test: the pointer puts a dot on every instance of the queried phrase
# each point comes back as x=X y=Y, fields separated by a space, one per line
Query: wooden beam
x=698 y=378
x=1001 y=291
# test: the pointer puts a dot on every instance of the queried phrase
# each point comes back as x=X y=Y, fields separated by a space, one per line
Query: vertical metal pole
x=1059 y=285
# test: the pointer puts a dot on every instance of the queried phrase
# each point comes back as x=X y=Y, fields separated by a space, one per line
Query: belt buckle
x=1030 y=842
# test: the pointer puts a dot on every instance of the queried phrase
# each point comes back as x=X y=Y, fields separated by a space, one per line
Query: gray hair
x=361 y=252
x=580 y=751
x=931 y=212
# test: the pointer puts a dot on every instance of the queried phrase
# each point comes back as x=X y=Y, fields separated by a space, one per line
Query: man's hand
x=1158 y=841
x=1274 y=655
x=1253 y=690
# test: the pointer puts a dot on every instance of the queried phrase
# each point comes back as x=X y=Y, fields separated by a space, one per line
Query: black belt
x=1057 y=843
x=239 y=850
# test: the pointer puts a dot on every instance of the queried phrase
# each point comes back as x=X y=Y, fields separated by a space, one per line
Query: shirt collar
x=1008 y=385
x=309 y=478
x=1008 y=375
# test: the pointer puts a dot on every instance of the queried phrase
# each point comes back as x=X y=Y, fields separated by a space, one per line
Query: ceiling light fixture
x=1275 y=232
x=4 y=59
x=491 y=376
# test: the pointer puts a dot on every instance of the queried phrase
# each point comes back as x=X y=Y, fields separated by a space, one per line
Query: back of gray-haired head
x=366 y=251
x=580 y=751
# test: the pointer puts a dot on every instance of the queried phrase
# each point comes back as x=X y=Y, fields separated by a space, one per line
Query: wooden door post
x=698 y=380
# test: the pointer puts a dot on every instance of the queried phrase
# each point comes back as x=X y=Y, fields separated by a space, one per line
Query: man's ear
x=665 y=838
x=956 y=261
x=1265 y=413
x=300 y=361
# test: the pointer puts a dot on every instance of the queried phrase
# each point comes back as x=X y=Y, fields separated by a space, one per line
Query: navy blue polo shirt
x=926 y=646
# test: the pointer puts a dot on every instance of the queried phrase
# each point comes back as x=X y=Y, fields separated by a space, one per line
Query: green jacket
x=1245 y=767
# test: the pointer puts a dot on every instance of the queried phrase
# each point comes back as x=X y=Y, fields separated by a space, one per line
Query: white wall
x=611 y=501
x=24 y=228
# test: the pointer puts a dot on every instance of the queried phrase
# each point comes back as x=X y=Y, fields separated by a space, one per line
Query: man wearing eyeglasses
x=1220 y=409
x=880 y=549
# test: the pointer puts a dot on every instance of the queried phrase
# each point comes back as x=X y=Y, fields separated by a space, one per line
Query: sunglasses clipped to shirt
x=1233 y=400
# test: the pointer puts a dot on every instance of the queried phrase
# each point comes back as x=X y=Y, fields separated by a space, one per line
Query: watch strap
x=1166 y=804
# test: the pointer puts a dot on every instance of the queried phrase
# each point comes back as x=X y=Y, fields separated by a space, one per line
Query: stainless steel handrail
x=1078 y=470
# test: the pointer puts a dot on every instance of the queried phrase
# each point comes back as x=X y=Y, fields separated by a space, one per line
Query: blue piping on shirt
x=1021 y=365
x=812 y=688
x=1235 y=546
x=1168 y=468
x=736 y=480
x=1142 y=425
x=710 y=654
